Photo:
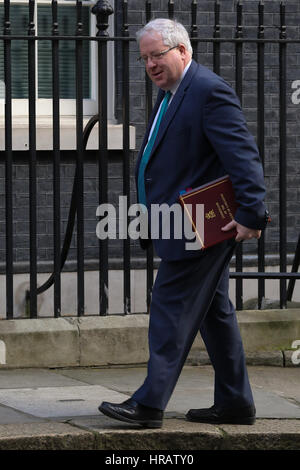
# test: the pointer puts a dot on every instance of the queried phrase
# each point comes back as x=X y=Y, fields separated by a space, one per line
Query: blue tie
x=148 y=149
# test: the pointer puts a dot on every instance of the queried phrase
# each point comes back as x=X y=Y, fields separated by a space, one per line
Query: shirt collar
x=176 y=86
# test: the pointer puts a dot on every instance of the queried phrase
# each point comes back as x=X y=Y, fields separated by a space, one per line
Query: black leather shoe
x=217 y=415
x=132 y=412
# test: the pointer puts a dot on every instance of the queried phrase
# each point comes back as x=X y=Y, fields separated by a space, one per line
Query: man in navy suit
x=202 y=136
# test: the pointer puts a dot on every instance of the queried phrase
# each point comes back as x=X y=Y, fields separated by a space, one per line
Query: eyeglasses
x=155 y=57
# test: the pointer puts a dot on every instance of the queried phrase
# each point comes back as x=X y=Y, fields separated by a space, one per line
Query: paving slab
x=9 y=415
x=49 y=402
x=271 y=405
x=122 y=379
x=284 y=381
x=35 y=378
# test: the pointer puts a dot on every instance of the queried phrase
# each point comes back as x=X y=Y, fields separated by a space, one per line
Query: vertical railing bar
x=148 y=82
x=126 y=160
x=239 y=91
x=171 y=9
x=32 y=161
x=56 y=162
x=149 y=256
x=261 y=135
x=217 y=34
x=148 y=10
x=102 y=10
x=79 y=162
x=8 y=164
x=295 y=267
x=194 y=29
x=239 y=50
x=282 y=156
x=103 y=173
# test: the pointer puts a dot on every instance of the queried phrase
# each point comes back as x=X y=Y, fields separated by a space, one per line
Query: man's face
x=166 y=70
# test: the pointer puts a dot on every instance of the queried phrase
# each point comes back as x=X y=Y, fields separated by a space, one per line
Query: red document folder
x=220 y=206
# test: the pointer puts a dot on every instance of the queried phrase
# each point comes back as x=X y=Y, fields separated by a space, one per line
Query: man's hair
x=172 y=32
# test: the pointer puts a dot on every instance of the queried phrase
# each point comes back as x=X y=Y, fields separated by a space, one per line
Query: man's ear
x=182 y=49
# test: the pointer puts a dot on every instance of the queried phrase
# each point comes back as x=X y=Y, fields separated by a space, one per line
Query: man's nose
x=150 y=62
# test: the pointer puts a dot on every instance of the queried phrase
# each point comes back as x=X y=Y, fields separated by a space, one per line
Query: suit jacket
x=202 y=136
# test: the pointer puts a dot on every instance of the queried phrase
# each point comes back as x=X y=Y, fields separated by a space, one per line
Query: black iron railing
x=102 y=9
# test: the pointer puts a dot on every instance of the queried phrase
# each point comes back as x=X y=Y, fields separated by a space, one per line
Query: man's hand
x=243 y=233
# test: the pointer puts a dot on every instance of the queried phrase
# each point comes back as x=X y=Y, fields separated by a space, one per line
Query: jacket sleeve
x=227 y=131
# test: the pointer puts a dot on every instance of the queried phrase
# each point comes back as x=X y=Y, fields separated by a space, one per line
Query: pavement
x=57 y=409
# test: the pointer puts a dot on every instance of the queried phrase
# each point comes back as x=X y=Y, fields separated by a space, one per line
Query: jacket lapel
x=170 y=113
x=172 y=109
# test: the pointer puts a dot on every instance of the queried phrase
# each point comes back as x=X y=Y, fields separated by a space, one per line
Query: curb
x=176 y=434
x=45 y=436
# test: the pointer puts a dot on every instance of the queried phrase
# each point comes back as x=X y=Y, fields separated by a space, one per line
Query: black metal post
x=194 y=29
x=149 y=107
x=80 y=171
x=126 y=160
x=295 y=268
x=32 y=160
x=56 y=162
x=239 y=91
x=171 y=9
x=102 y=10
x=217 y=45
x=282 y=155
x=8 y=164
x=261 y=134
x=148 y=82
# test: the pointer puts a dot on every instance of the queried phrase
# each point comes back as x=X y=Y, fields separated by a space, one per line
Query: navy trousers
x=188 y=296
